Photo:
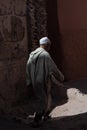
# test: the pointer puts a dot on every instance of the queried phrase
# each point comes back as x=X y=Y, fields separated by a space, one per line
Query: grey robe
x=40 y=68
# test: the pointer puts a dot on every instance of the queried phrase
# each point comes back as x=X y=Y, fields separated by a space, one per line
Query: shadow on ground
x=59 y=96
x=79 y=84
x=78 y=122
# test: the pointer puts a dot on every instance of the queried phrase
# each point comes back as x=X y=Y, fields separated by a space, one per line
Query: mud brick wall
x=72 y=15
x=74 y=46
x=22 y=24
x=13 y=51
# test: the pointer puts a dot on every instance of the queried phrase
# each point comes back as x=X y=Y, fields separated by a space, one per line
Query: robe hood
x=35 y=54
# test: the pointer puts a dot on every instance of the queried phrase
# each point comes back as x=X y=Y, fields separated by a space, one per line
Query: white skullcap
x=44 y=40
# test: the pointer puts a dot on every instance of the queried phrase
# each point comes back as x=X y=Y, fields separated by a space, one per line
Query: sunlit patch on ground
x=77 y=104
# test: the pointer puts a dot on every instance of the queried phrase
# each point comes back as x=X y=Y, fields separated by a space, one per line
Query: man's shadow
x=81 y=85
x=59 y=95
x=58 y=92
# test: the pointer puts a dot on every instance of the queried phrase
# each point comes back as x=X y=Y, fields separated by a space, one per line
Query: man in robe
x=41 y=70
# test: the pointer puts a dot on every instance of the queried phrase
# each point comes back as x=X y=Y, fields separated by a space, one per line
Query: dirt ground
x=67 y=114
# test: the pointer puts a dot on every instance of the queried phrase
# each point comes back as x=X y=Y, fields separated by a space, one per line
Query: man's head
x=45 y=43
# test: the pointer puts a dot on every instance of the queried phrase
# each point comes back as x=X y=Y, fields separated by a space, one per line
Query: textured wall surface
x=13 y=51
x=22 y=24
x=37 y=16
x=73 y=28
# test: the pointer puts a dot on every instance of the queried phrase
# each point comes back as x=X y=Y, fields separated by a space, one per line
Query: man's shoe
x=47 y=118
x=37 y=121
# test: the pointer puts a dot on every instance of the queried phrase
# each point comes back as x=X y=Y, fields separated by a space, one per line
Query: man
x=41 y=70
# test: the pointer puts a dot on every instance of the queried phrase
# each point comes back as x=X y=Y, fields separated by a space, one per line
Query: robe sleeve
x=53 y=69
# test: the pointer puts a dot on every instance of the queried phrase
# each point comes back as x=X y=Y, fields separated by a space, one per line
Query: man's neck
x=41 y=46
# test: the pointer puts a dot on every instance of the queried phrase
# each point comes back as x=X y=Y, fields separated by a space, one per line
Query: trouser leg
x=49 y=99
x=40 y=100
x=43 y=95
